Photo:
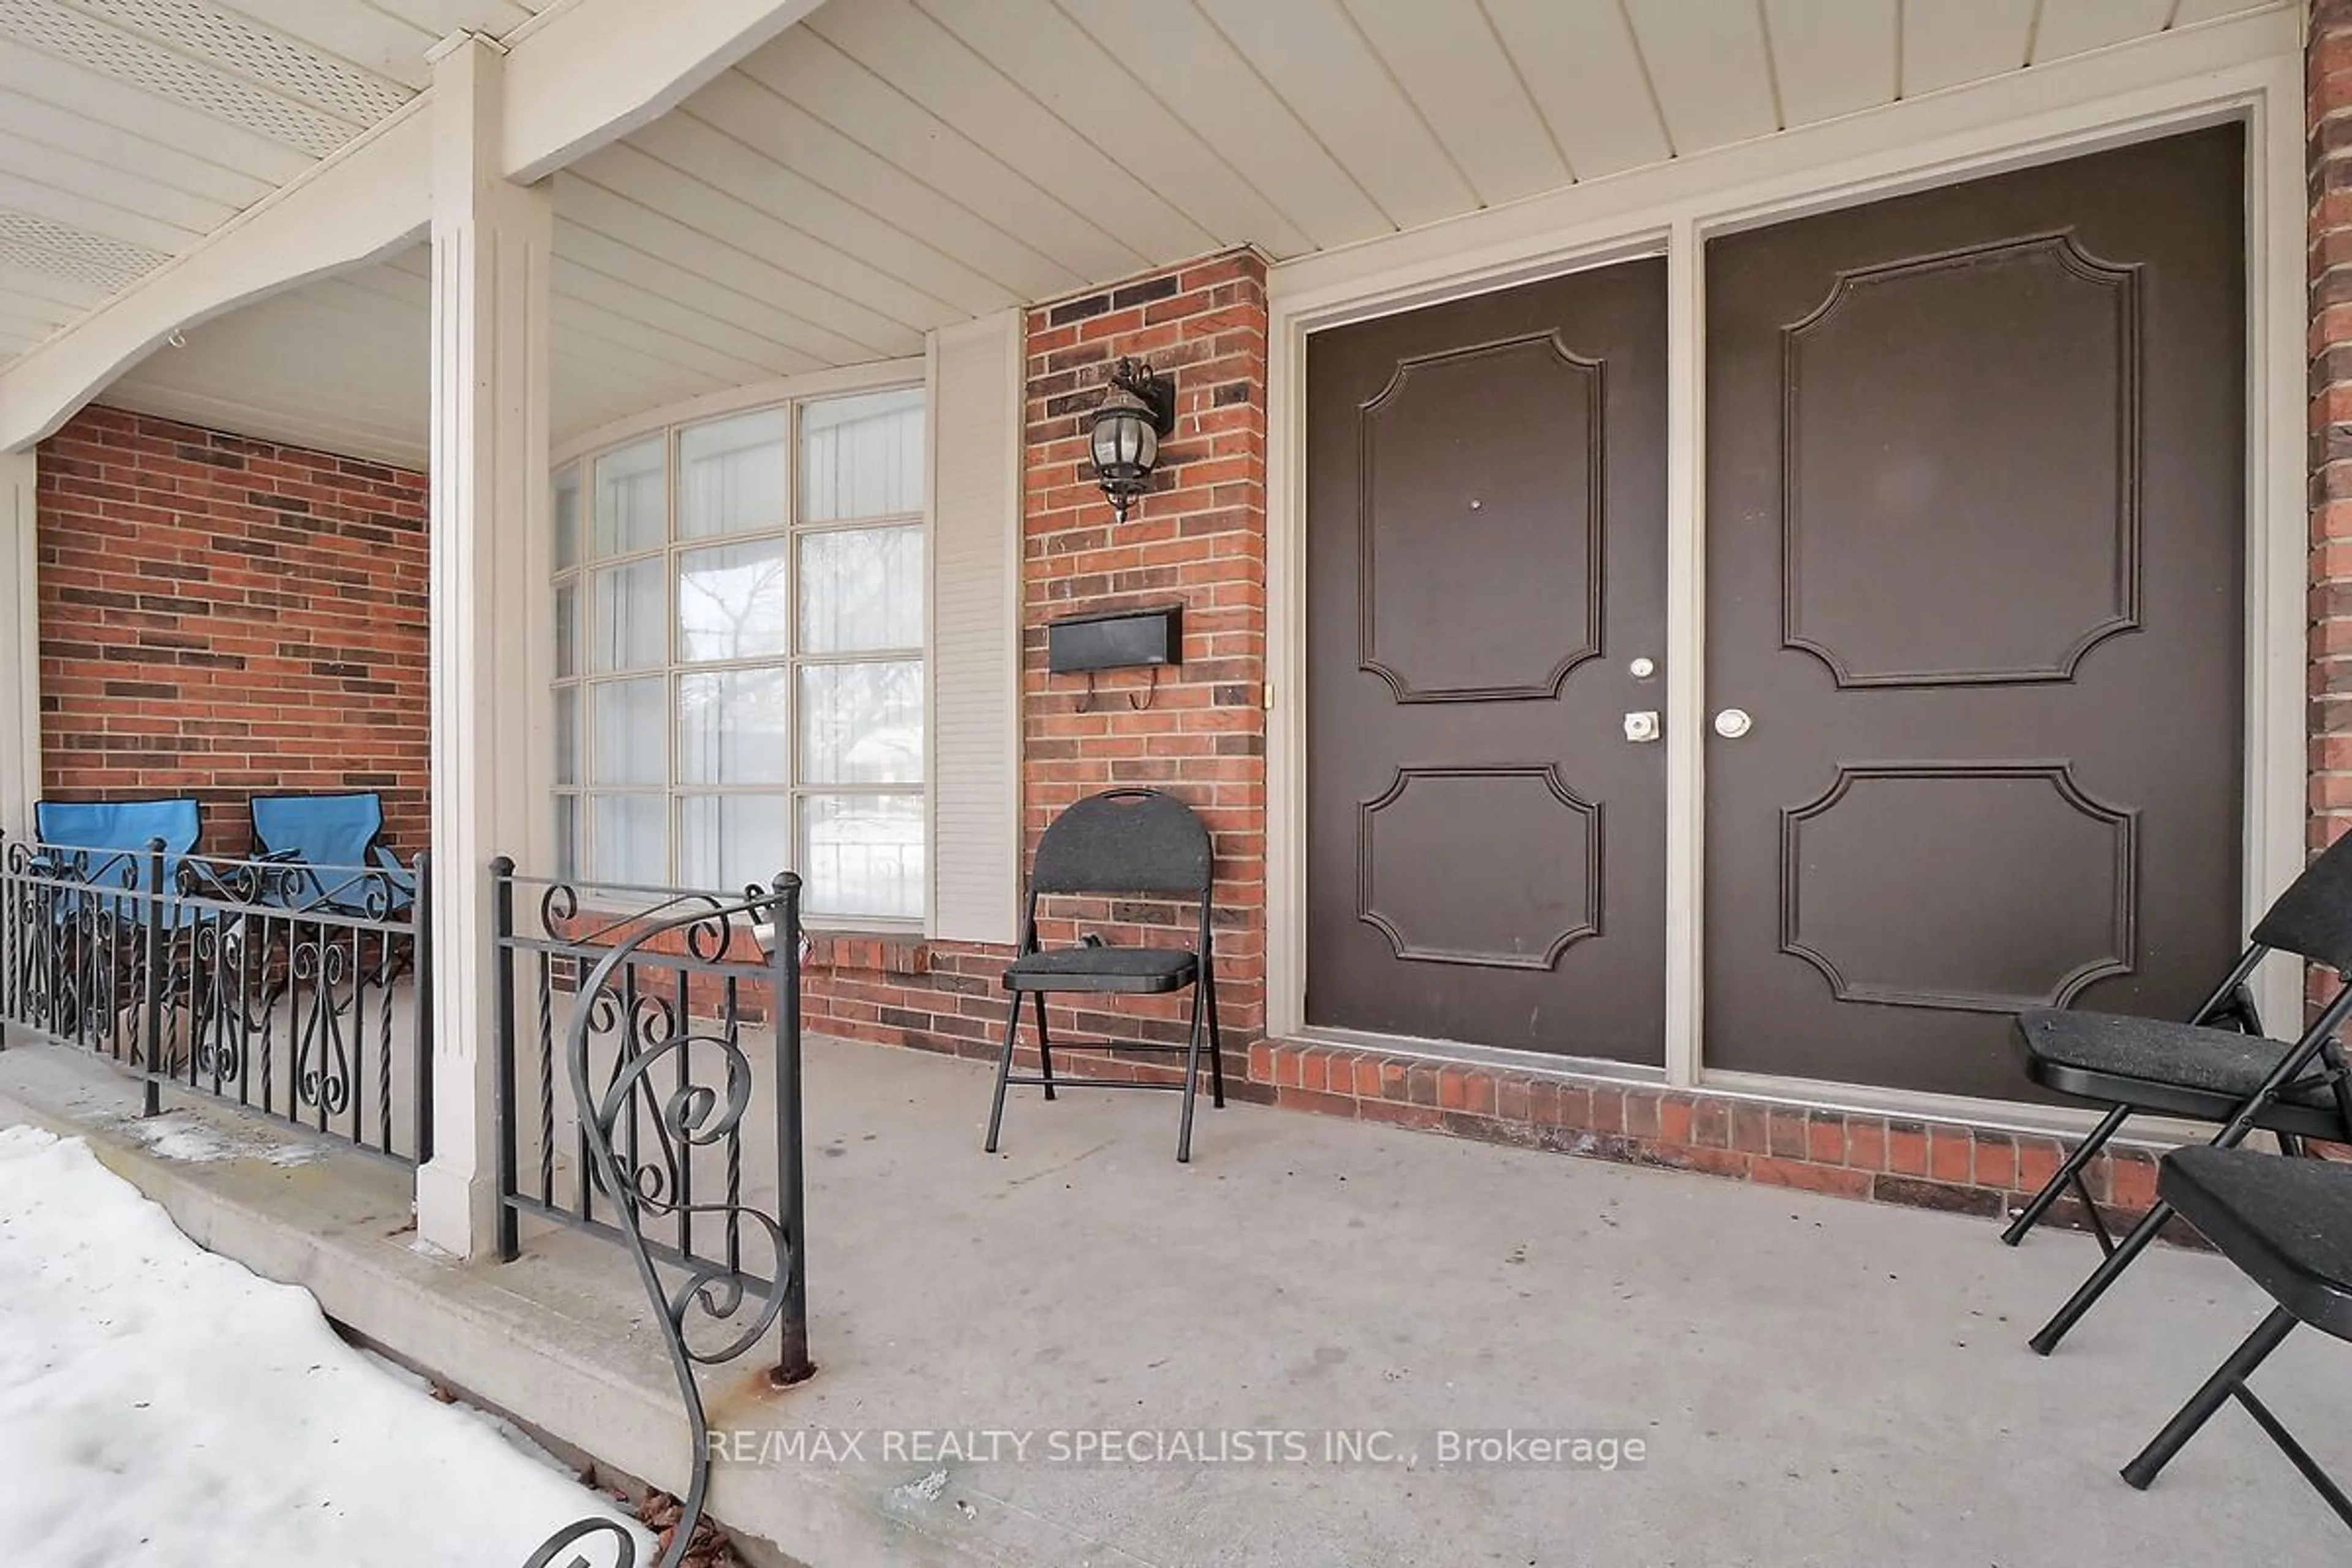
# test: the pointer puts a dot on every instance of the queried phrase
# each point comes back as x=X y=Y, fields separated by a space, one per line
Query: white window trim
x=668 y=421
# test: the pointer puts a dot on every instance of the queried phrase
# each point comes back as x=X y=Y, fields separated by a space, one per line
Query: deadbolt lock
x=1641 y=727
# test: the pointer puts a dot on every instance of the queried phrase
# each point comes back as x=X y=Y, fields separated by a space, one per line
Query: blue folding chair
x=104 y=844
x=340 y=835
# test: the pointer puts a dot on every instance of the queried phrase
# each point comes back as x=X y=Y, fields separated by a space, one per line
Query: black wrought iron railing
x=300 y=992
x=649 y=1090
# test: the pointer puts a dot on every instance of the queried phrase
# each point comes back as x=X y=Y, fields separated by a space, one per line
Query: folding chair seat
x=2235 y=1077
x=104 y=844
x=340 y=835
x=2288 y=1225
x=1133 y=971
x=1122 y=843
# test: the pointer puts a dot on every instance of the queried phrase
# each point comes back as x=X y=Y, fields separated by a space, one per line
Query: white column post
x=492 y=240
x=20 y=646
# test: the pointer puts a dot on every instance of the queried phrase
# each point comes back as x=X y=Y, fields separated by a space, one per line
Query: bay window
x=738 y=652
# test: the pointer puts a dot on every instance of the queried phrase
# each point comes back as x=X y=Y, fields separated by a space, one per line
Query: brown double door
x=1974 y=482
x=1485 y=557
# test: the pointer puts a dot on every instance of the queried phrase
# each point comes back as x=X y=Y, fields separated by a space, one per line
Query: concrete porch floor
x=1817 y=1380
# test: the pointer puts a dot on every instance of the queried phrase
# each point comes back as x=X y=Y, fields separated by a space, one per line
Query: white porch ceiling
x=130 y=128
x=889 y=166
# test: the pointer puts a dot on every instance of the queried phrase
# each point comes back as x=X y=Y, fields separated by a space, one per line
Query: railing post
x=421 y=913
x=792 y=1362
x=151 y=1101
x=509 y=1240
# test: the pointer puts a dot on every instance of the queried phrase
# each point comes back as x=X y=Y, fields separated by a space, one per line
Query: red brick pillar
x=2328 y=121
x=1197 y=538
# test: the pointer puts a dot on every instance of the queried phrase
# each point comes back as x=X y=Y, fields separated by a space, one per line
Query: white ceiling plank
x=790 y=135
x=591 y=288
x=215 y=411
x=1833 y=56
x=803 y=68
x=2078 y=27
x=97 y=217
x=1947 y=42
x=443 y=18
x=1449 y=60
x=52 y=126
x=367 y=35
x=682 y=142
x=1321 y=67
x=288 y=63
x=1577 y=57
x=154 y=199
x=1172 y=50
x=699 y=253
x=874 y=300
x=2192 y=12
x=31 y=319
x=584 y=335
x=577 y=319
x=745 y=298
x=23 y=286
x=1057 y=63
x=934 y=68
x=117 y=103
x=1708 y=62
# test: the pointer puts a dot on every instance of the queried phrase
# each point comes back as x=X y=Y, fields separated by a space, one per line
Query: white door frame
x=2248 y=69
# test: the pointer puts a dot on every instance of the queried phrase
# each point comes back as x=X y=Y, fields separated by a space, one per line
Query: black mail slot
x=1119 y=639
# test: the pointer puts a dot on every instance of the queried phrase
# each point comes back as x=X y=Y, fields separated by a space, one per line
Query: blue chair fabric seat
x=339 y=834
x=104 y=844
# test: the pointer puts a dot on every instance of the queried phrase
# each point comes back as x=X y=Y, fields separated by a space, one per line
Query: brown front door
x=1485 y=559
x=1975 y=520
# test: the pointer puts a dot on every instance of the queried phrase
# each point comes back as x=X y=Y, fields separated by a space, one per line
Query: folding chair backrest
x=323 y=829
x=116 y=833
x=1124 y=841
x=2314 y=916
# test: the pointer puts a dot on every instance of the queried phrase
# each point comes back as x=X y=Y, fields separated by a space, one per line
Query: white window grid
x=574 y=835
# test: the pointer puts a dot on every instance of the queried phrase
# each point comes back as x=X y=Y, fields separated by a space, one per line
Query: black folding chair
x=2288 y=1223
x=2240 y=1079
x=1122 y=843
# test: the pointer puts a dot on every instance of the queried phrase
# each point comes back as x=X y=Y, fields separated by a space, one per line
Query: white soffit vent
x=103 y=46
x=60 y=250
x=294 y=68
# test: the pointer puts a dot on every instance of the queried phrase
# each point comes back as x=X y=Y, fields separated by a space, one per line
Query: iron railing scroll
x=659 y=1001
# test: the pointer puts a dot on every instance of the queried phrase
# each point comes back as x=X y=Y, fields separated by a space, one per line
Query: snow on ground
x=161 y=1406
x=176 y=1135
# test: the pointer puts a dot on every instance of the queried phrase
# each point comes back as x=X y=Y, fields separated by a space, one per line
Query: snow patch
x=161 y=1406
x=176 y=1135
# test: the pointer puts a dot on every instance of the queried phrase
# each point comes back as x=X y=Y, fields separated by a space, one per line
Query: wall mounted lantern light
x=1124 y=435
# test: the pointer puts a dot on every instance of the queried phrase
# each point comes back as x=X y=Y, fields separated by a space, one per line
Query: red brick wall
x=1197 y=537
x=222 y=617
x=2328 y=124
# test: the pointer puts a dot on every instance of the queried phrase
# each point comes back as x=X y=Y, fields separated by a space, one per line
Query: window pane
x=734 y=840
x=735 y=727
x=734 y=602
x=631 y=732
x=631 y=837
x=862 y=724
x=862 y=456
x=567 y=734
x=567 y=628
x=628 y=514
x=567 y=836
x=628 y=629
x=567 y=519
x=861 y=589
x=732 y=475
x=863 y=854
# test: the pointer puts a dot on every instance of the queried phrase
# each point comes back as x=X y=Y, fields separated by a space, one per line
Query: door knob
x=1733 y=722
x=1641 y=727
